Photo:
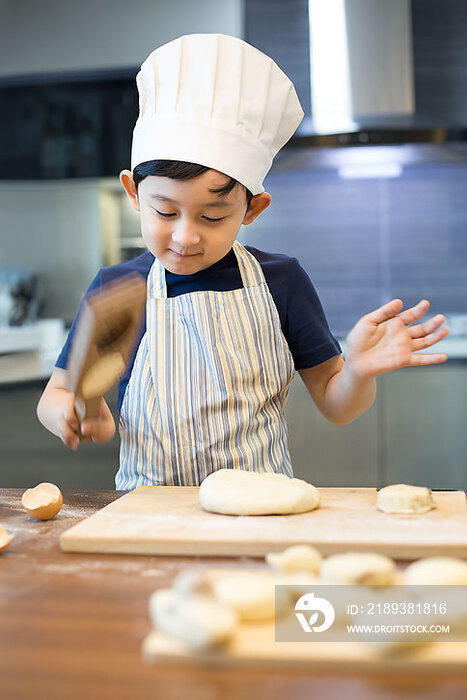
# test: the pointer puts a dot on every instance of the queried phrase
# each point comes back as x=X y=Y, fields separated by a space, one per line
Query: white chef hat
x=214 y=100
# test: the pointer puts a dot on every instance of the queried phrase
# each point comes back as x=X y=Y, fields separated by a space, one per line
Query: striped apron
x=209 y=384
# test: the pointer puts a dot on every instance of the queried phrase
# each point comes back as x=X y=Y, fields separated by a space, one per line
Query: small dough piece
x=43 y=502
x=192 y=581
x=403 y=498
x=358 y=568
x=299 y=581
x=240 y=492
x=437 y=571
x=5 y=538
x=250 y=593
x=198 y=620
x=299 y=558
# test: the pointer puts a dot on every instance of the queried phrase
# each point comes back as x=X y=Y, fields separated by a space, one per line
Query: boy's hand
x=99 y=429
x=383 y=340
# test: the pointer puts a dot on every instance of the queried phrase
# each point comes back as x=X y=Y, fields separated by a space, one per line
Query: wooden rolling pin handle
x=87 y=408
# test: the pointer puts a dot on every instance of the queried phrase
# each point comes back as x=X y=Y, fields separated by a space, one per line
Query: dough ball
x=5 y=539
x=240 y=492
x=299 y=581
x=198 y=620
x=250 y=593
x=299 y=558
x=358 y=568
x=192 y=581
x=43 y=502
x=403 y=498
x=437 y=571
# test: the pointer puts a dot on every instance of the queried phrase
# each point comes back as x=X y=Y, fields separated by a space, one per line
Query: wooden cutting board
x=254 y=644
x=170 y=521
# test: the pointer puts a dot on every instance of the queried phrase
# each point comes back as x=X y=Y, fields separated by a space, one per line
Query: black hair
x=179 y=170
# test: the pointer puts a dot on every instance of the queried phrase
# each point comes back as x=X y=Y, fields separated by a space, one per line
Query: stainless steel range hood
x=362 y=78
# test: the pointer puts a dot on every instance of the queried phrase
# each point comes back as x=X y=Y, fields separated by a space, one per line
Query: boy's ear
x=126 y=178
x=258 y=204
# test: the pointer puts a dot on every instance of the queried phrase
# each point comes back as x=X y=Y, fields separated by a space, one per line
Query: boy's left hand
x=384 y=340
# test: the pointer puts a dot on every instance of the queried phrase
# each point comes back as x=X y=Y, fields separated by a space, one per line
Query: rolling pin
x=105 y=335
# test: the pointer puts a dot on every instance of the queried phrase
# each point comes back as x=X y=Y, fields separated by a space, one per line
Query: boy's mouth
x=183 y=255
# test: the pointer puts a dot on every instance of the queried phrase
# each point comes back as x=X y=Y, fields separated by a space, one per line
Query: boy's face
x=187 y=227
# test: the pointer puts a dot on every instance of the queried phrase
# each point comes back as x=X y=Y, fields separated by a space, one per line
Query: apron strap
x=250 y=269
x=157 y=287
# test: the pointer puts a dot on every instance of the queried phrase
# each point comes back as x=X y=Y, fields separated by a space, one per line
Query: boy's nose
x=185 y=234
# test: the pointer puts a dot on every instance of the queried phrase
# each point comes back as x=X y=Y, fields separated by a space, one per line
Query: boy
x=226 y=325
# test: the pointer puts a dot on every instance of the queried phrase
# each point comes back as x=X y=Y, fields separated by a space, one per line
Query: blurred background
x=370 y=195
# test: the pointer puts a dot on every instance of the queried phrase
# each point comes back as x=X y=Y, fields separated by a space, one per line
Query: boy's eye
x=164 y=215
x=208 y=218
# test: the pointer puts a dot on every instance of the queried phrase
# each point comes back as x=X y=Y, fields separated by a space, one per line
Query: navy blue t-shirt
x=303 y=322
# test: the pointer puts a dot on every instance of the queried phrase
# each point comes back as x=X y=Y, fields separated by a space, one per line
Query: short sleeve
x=307 y=332
x=62 y=360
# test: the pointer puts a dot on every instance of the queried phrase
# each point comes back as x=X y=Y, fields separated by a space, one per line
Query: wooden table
x=71 y=626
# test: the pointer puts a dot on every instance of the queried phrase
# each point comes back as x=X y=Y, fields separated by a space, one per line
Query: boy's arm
x=339 y=396
x=380 y=342
x=56 y=412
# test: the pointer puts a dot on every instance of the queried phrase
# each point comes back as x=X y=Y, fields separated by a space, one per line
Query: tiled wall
x=440 y=58
x=364 y=241
x=280 y=29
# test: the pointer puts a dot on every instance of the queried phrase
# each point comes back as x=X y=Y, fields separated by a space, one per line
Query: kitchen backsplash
x=365 y=241
x=361 y=240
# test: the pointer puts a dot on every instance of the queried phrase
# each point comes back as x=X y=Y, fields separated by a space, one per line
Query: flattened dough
x=437 y=571
x=198 y=620
x=299 y=558
x=358 y=568
x=239 y=492
x=250 y=593
x=253 y=594
x=403 y=498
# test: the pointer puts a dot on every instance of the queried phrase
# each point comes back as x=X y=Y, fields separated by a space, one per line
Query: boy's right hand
x=100 y=429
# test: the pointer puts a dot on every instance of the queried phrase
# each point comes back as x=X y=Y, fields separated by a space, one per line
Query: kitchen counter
x=29 y=352
x=71 y=625
x=24 y=357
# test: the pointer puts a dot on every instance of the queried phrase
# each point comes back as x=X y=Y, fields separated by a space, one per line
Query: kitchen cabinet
x=63 y=128
x=423 y=421
x=327 y=454
x=54 y=229
x=414 y=433
x=30 y=454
